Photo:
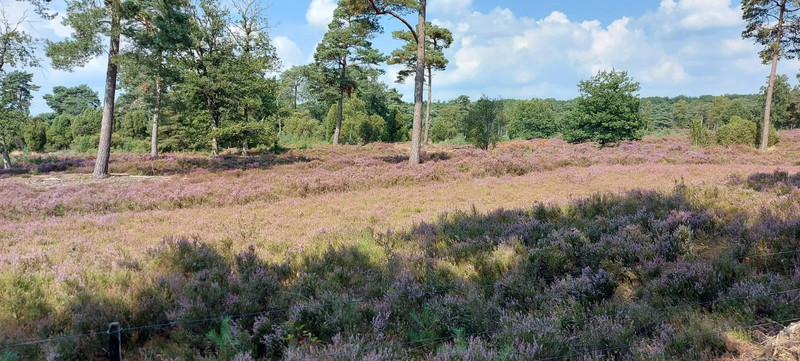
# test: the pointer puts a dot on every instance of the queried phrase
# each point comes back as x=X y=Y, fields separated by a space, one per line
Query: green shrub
x=302 y=126
x=59 y=134
x=85 y=143
x=737 y=131
x=532 y=119
x=35 y=135
x=358 y=127
x=699 y=135
x=87 y=123
x=774 y=138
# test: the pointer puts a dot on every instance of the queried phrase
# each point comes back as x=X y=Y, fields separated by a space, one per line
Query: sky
x=518 y=48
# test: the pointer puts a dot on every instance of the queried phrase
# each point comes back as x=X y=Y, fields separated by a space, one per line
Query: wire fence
x=424 y=342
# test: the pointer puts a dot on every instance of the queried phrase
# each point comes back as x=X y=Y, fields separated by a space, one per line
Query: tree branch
x=394 y=14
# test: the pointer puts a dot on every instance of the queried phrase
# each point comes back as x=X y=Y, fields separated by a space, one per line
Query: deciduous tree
x=608 y=110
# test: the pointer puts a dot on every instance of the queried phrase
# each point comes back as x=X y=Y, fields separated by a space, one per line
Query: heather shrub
x=694 y=338
x=685 y=281
x=737 y=131
x=631 y=274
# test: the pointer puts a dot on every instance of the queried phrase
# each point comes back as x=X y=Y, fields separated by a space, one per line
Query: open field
x=430 y=247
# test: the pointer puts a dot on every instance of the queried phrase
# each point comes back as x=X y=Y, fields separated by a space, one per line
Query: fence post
x=114 y=342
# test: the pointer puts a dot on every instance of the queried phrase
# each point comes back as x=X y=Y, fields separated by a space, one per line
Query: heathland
x=537 y=249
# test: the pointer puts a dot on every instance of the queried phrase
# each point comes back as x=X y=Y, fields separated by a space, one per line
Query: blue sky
x=524 y=48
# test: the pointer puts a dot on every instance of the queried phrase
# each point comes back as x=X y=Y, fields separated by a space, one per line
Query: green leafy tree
x=608 y=110
x=532 y=119
x=437 y=39
x=59 y=133
x=15 y=104
x=346 y=46
x=773 y=24
x=483 y=122
x=294 y=84
x=715 y=112
x=699 y=135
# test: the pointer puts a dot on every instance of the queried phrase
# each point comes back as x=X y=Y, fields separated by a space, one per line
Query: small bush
x=699 y=135
x=774 y=138
x=737 y=131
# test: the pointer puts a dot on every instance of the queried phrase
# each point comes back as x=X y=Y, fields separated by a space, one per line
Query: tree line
x=198 y=76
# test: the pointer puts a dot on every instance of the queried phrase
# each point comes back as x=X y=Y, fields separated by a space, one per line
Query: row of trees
x=198 y=75
x=218 y=65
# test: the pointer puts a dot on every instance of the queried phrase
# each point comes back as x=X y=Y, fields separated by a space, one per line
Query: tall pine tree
x=345 y=46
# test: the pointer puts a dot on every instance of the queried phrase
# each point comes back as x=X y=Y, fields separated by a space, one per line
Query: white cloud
x=680 y=47
x=703 y=14
x=288 y=51
x=666 y=71
x=320 y=13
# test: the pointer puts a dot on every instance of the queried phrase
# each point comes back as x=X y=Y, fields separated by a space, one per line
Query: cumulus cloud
x=320 y=13
x=682 y=46
x=288 y=52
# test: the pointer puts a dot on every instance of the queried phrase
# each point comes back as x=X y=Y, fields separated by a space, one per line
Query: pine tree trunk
x=106 y=127
x=6 y=157
x=339 y=113
x=156 y=119
x=428 y=110
x=419 y=81
x=770 y=88
x=340 y=106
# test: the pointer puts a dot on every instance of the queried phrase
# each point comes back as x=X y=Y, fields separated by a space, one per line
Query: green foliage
x=395 y=130
x=760 y=16
x=34 y=133
x=223 y=340
x=248 y=135
x=449 y=120
x=483 y=122
x=59 y=134
x=437 y=39
x=699 y=135
x=134 y=124
x=300 y=124
x=774 y=138
x=7 y=355
x=86 y=123
x=608 y=110
x=680 y=114
x=532 y=119
x=72 y=101
x=358 y=127
x=737 y=131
